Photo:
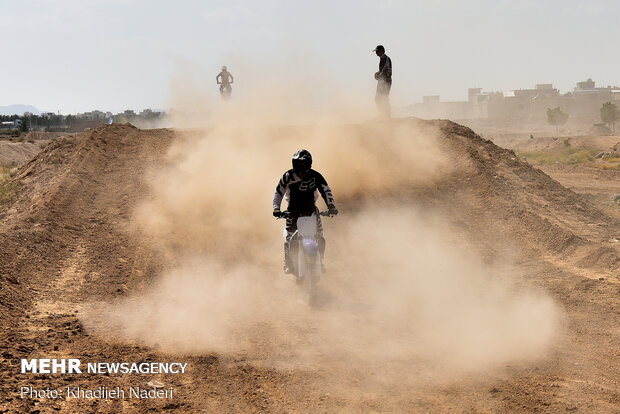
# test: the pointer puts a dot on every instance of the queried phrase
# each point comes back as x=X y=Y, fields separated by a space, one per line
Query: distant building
x=542 y=90
x=584 y=101
x=97 y=115
x=432 y=107
x=11 y=124
x=585 y=85
x=92 y=115
x=472 y=93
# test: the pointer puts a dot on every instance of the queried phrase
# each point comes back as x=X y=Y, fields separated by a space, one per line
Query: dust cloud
x=399 y=289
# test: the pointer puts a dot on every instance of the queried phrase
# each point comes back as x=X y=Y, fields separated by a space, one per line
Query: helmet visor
x=301 y=165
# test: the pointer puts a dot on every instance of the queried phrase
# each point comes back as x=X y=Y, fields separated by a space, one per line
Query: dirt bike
x=225 y=90
x=304 y=252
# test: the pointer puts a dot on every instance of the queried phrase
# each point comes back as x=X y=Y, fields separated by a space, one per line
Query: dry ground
x=13 y=154
x=598 y=179
x=64 y=244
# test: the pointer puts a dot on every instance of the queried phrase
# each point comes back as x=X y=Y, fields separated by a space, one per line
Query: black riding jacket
x=385 y=68
x=302 y=193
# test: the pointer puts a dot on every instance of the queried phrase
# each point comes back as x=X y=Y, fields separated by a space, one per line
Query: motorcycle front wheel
x=310 y=275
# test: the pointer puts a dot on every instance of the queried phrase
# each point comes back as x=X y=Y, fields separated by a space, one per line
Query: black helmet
x=302 y=161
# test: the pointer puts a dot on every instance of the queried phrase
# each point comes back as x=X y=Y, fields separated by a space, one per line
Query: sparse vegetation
x=567 y=155
x=609 y=167
x=7 y=186
x=18 y=137
x=610 y=163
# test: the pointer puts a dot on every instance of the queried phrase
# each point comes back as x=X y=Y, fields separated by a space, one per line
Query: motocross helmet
x=302 y=161
x=224 y=69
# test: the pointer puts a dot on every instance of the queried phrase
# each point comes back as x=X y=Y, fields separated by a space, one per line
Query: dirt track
x=65 y=243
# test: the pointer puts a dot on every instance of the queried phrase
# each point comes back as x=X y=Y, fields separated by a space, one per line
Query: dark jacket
x=302 y=193
x=385 y=68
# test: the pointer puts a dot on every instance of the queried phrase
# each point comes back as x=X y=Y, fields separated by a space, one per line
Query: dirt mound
x=65 y=241
x=61 y=237
x=74 y=187
x=524 y=203
x=496 y=187
x=13 y=154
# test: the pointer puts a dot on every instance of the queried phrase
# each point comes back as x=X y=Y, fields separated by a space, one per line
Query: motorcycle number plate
x=307 y=226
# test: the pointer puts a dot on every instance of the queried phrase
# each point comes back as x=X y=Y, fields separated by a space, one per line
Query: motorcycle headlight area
x=310 y=244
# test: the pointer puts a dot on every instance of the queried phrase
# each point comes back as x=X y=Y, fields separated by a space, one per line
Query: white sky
x=80 y=55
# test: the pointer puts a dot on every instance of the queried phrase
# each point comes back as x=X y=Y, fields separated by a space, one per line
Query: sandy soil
x=597 y=180
x=551 y=142
x=13 y=154
x=65 y=244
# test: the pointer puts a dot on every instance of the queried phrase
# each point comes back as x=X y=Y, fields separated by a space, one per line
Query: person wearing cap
x=384 y=81
x=224 y=79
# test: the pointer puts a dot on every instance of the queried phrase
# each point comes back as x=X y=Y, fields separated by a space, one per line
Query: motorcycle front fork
x=287 y=252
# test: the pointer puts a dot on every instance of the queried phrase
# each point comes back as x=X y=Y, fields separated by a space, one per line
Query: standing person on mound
x=224 y=79
x=384 y=81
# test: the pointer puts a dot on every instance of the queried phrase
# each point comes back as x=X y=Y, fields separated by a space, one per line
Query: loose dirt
x=13 y=154
x=69 y=241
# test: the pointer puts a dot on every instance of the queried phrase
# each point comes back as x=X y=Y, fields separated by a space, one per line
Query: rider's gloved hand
x=332 y=210
x=277 y=213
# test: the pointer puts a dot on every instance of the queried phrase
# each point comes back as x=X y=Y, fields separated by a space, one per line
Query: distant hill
x=18 y=109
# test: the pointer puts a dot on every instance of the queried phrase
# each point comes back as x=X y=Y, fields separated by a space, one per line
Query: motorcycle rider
x=299 y=186
x=224 y=79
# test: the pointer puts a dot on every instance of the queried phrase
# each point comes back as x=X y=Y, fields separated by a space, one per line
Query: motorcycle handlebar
x=287 y=214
